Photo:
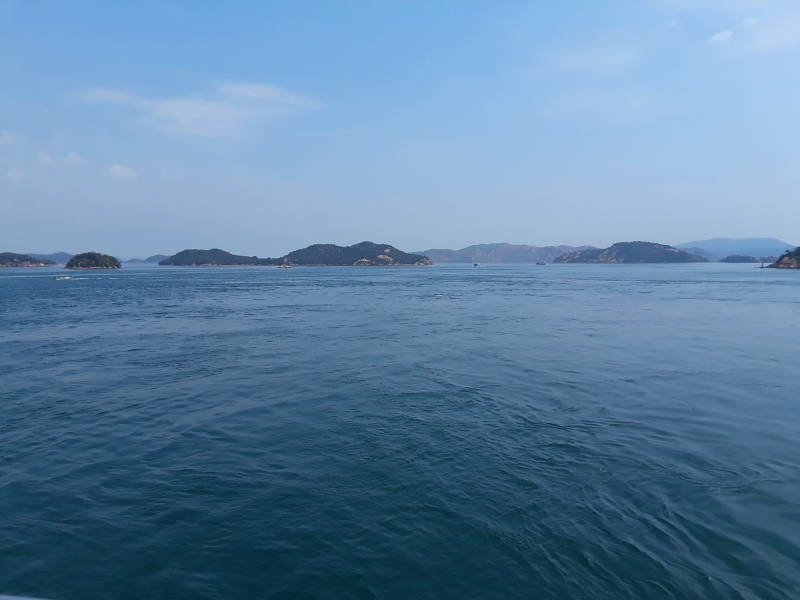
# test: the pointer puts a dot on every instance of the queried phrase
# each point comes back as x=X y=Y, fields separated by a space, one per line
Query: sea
x=537 y=432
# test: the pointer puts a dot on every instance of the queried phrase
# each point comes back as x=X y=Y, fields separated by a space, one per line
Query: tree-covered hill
x=362 y=254
x=214 y=257
x=93 y=260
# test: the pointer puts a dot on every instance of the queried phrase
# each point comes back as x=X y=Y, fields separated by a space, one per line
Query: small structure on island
x=92 y=260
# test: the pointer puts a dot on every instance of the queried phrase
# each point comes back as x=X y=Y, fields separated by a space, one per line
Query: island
x=364 y=254
x=631 y=252
x=789 y=260
x=92 y=260
x=11 y=259
x=324 y=255
x=739 y=258
x=213 y=258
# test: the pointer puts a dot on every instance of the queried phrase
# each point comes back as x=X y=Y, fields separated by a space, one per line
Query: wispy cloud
x=224 y=113
x=71 y=159
x=776 y=32
x=122 y=172
x=721 y=37
x=16 y=175
x=605 y=106
x=598 y=59
x=763 y=25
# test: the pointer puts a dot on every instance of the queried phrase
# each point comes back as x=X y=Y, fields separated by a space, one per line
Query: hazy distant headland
x=500 y=253
x=12 y=259
x=59 y=258
x=631 y=252
x=150 y=260
x=363 y=254
x=718 y=248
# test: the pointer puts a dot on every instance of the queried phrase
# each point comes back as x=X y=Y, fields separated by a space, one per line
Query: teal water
x=567 y=431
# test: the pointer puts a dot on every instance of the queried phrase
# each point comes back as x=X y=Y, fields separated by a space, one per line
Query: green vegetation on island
x=631 y=252
x=789 y=260
x=92 y=260
x=363 y=254
x=12 y=259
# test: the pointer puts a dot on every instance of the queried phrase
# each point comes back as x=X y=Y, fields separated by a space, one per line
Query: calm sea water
x=582 y=432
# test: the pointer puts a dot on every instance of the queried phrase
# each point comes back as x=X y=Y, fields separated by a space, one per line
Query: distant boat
x=541 y=263
x=475 y=264
x=284 y=267
x=64 y=278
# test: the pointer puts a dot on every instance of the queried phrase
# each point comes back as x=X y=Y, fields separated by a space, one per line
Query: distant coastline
x=723 y=250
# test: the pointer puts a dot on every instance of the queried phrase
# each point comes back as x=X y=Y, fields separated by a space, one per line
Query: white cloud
x=721 y=37
x=8 y=137
x=74 y=159
x=16 y=175
x=674 y=23
x=224 y=113
x=601 y=59
x=71 y=159
x=122 y=172
x=750 y=21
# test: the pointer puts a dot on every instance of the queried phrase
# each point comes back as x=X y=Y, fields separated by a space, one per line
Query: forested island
x=12 y=259
x=789 y=260
x=363 y=254
x=213 y=257
x=92 y=260
x=631 y=252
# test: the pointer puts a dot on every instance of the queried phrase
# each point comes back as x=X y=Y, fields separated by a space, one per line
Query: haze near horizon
x=136 y=129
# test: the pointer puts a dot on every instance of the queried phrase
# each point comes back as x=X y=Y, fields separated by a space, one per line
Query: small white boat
x=64 y=278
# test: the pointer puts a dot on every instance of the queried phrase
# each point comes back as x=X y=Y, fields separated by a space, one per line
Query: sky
x=145 y=127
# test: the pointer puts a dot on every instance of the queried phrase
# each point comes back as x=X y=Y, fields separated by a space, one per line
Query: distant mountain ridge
x=631 y=252
x=362 y=254
x=500 y=253
x=717 y=248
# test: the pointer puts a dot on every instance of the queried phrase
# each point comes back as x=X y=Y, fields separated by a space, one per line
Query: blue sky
x=260 y=127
